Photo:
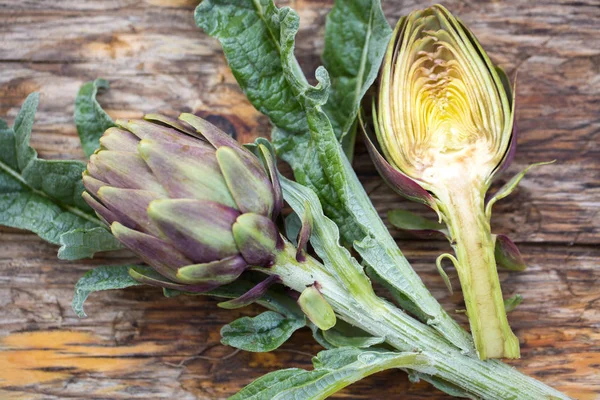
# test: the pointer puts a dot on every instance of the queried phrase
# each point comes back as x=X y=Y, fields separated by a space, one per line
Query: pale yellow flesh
x=444 y=120
x=440 y=109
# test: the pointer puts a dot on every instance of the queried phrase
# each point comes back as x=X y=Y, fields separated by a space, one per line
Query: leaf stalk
x=484 y=379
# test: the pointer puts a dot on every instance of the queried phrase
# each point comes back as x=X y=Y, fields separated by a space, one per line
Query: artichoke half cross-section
x=443 y=119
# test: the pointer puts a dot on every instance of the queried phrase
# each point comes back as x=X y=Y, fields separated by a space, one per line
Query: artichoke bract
x=186 y=198
x=444 y=122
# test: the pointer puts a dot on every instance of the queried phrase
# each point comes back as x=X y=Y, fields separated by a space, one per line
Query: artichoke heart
x=443 y=110
x=444 y=121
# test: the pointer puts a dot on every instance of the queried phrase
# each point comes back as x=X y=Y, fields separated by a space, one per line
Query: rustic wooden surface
x=137 y=344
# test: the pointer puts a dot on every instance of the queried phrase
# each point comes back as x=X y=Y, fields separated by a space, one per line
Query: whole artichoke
x=186 y=198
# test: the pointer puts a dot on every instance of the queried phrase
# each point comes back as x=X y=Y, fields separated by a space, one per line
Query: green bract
x=185 y=197
x=444 y=121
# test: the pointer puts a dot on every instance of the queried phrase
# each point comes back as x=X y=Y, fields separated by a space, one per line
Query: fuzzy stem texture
x=484 y=379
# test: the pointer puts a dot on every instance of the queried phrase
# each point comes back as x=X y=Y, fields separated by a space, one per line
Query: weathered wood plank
x=156 y=60
x=134 y=339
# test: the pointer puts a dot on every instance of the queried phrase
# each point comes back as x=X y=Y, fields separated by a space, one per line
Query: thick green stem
x=474 y=246
x=484 y=379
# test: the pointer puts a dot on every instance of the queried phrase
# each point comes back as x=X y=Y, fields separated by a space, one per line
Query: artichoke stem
x=474 y=246
x=481 y=379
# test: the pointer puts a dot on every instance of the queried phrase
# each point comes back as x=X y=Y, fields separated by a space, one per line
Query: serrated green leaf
x=307 y=95
x=356 y=36
x=265 y=332
x=84 y=243
x=91 y=120
x=101 y=278
x=249 y=33
x=333 y=370
x=39 y=195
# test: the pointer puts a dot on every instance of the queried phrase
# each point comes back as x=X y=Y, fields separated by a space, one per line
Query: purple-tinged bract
x=186 y=198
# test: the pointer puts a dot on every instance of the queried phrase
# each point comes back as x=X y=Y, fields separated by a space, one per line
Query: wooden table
x=138 y=344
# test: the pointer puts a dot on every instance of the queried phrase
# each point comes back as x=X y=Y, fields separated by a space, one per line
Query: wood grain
x=138 y=344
